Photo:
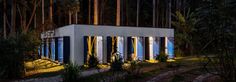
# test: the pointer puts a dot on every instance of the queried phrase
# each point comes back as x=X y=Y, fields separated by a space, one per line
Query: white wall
x=77 y=32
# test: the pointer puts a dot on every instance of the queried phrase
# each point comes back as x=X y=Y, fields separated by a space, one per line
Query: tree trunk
x=167 y=14
x=69 y=17
x=127 y=12
x=137 y=20
x=118 y=13
x=89 y=12
x=4 y=19
x=51 y=11
x=76 y=18
x=32 y=16
x=43 y=15
x=35 y=19
x=24 y=20
x=169 y=4
x=95 y=12
x=157 y=13
x=13 y=21
x=154 y=13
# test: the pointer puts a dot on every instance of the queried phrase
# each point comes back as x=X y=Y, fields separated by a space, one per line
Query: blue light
x=53 y=49
x=140 y=49
x=47 y=49
x=170 y=47
x=156 y=47
x=121 y=47
x=39 y=51
x=60 y=50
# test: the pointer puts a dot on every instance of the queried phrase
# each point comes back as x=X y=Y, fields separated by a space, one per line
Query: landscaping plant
x=162 y=57
x=116 y=65
x=71 y=73
x=93 y=61
x=14 y=51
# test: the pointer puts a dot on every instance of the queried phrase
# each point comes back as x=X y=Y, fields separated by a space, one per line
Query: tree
x=118 y=12
x=137 y=20
x=218 y=27
x=43 y=15
x=51 y=11
x=154 y=13
x=95 y=16
x=184 y=29
x=22 y=7
x=13 y=20
x=5 y=19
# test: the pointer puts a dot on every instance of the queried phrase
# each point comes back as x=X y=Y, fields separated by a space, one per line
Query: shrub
x=71 y=73
x=13 y=51
x=162 y=57
x=93 y=61
x=116 y=65
x=12 y=59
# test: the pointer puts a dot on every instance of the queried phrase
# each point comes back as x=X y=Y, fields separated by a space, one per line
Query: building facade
x=76 y=43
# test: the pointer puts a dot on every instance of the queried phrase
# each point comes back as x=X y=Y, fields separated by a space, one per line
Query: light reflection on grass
x=41 y=66
x=152 y=61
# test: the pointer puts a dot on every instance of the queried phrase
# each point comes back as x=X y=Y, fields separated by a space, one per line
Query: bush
x=93 y=61
x=13 y=51
x=116 y=65
x=12 y=59
x=162 y=57
x=71 y=73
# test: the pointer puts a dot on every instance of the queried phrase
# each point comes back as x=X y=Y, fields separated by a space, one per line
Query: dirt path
x=160 y=77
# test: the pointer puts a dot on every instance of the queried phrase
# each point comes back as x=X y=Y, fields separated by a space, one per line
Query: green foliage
x=217 y=27
x=71 y=73
x=179 y=53
x=116 y=65
x=217 y=31
x=13 y=53
x=12 y=59
x=30 y=44
x=93 y=61
x=185 y=27
x=162 y=57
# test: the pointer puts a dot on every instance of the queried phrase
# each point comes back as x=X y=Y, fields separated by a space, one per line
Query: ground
x=42 y=68
x=183 y=69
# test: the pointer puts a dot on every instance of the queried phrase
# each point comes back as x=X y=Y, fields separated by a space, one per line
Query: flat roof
x=102 y=30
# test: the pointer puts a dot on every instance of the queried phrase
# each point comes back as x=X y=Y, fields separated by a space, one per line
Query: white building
x=75 y=42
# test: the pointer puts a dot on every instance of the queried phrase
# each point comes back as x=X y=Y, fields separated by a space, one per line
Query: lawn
x=42 y=68
x=149 y=69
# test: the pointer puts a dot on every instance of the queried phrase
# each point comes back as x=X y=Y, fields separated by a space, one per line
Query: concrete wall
x=77 y=32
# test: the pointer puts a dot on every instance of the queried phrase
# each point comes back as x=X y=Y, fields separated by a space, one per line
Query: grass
x=42 y=68
x=46 y=68
x=152 y=69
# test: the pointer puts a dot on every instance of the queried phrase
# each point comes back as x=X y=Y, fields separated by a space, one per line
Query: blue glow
x=140 y=49
x=170 y=47
x=53 y=49
x=39 y=51
x=60 y=50
x=121 y=47
x=47 y=49
x=156 y=47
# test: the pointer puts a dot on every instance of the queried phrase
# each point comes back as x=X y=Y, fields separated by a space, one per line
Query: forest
x=202 y=27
